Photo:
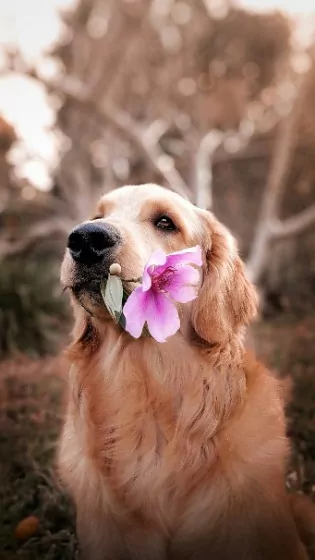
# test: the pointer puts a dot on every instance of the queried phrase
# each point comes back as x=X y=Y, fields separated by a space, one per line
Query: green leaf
x=122 y=321
x=112 y=293
x=115 y=295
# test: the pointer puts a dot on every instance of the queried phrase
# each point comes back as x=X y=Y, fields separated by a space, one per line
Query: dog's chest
x=147 y=459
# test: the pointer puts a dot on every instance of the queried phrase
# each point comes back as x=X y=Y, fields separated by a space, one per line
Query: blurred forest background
x=203 y=97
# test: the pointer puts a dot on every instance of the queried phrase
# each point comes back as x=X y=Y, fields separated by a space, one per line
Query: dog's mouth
x=88 y=295
x=81 y=280
x=91 y=289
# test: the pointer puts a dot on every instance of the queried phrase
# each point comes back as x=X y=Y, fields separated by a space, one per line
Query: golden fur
x=176 y=450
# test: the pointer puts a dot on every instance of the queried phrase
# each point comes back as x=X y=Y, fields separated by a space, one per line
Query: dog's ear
x=227 y=301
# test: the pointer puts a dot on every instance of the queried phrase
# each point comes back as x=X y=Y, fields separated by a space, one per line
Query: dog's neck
x=210 y=376
x=217 y=355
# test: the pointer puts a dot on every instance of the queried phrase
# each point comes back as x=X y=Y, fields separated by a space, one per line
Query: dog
x=173 y=451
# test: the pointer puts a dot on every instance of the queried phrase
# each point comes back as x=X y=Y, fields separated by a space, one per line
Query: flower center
x=161 y=282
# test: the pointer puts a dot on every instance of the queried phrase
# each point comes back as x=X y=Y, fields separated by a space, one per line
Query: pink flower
x=166 y=279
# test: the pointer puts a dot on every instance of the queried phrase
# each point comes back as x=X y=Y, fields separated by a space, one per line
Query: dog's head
x=132 y=222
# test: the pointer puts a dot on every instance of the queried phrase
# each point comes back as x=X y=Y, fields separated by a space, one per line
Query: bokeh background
x=211 y=98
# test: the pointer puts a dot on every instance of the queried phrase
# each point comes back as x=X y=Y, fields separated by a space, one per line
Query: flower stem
x=134 y=280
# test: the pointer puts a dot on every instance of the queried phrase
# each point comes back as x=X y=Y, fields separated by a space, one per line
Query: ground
x=31 y=397
x=31 y=412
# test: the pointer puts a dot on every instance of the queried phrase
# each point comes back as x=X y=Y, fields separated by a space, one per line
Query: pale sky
x=33 y=25
x=291 y=6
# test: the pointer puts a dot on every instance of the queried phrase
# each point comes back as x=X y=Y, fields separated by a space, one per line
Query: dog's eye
x=165 y=223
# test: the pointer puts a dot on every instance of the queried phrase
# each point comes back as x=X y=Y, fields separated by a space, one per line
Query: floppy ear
x=227 y=300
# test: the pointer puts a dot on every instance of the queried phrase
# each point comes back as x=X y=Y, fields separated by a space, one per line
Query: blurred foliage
x=7 y=139
x=32 y=313
x=247 y=45
x=7 y=135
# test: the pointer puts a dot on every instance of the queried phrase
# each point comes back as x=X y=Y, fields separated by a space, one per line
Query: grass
x=31 y=395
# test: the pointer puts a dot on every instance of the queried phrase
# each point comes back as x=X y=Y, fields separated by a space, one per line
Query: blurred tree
x=7 y=138
x=164 y=62
x=181 y=93
x=245 y=45
x=30 y=303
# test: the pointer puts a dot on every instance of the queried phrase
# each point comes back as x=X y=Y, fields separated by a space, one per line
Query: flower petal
x=192 y=255
x=157 y=259
x=179 y=259
x=135 y=312
x=182 y=285
x=185 y=275
x=183 y=294
x=162 y=316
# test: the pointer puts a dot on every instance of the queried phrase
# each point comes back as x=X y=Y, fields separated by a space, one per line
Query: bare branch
x=151 y=150
x=204 y=162
x=106 y=113
x=272 y=196
x=293 y=226
x=207 y=156
x=155 y=131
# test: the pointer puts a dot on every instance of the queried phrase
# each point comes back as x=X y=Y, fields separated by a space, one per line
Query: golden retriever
x=172 y=451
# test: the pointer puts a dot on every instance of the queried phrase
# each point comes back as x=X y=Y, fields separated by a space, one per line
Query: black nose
x=90 y=243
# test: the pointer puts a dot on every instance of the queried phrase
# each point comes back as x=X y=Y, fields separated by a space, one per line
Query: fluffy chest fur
x=162 y=439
